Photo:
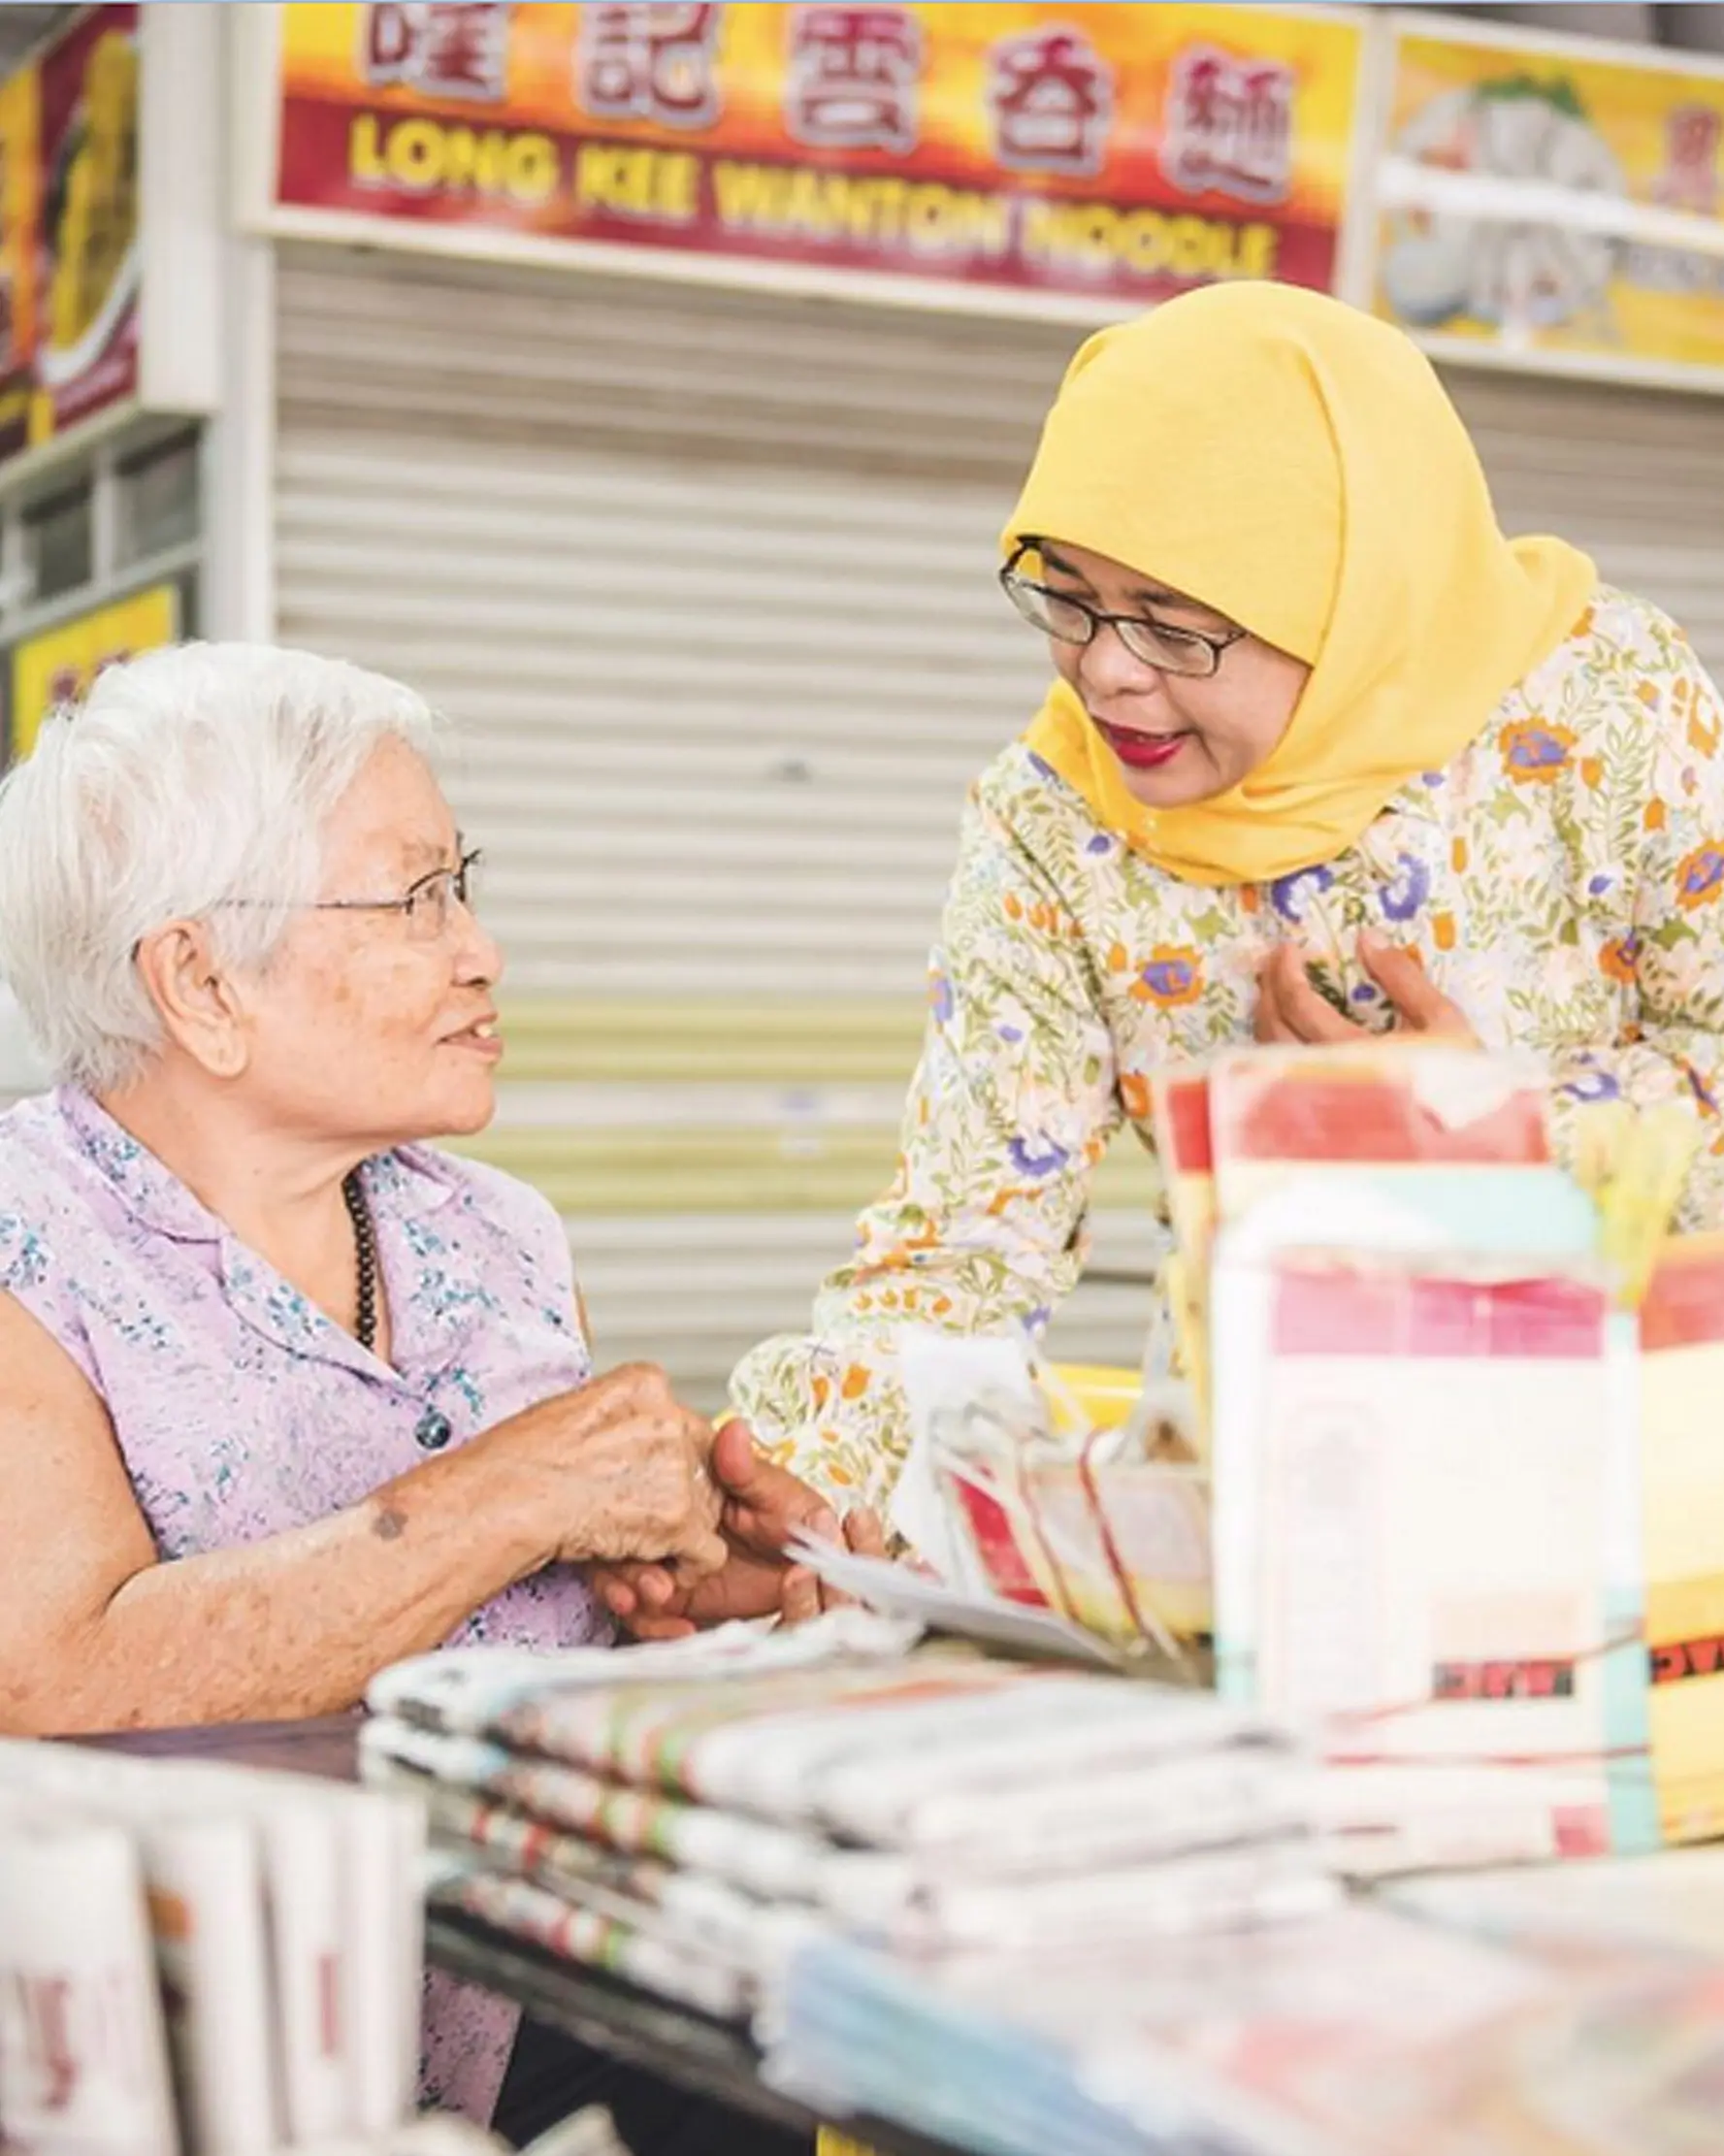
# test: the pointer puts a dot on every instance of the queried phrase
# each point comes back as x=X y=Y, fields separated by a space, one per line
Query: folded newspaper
x=688 y=1816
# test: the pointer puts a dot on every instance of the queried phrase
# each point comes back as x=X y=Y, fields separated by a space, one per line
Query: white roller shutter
x=710 y=579
x=706 y=578
x=1634 y=476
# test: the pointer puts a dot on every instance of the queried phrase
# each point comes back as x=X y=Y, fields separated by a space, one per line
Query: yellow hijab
x=1297 y=466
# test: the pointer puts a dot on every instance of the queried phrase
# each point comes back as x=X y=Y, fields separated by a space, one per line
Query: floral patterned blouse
x=1562 y=881
x=242 y=1412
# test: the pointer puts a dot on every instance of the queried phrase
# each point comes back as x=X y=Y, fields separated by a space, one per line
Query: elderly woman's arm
x=1014 y=1102
x=96 y=1634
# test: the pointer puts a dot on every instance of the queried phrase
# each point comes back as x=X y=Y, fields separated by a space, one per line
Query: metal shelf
x=709 y=2058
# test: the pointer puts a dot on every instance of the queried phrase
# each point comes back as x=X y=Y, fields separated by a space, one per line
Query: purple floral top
x=240 y=1411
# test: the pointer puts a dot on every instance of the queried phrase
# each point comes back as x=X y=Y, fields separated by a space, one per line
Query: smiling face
x=381 y=1020
x=372 y=1025
x=1177 y=738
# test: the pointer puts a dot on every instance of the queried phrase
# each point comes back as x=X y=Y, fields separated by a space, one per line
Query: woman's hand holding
x=617 y=1470
x=764 y=1506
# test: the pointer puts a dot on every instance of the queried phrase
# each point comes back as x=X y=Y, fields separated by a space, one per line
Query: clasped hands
x=759 y=1508
x=744 y=1571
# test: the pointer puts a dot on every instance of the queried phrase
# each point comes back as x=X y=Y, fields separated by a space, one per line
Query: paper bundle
x=1429 y=1488
x=1406 y=1158
x=688 y=1816
x=1427 y=1452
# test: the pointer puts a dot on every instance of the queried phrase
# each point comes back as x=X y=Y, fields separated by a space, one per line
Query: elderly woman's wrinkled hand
x=620 y=1469
x=764 y=1506
x=1290 y=1009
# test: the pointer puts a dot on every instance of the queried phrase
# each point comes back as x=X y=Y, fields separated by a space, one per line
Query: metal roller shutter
x=705 y=576
x=707 y=580
x=1635 y=475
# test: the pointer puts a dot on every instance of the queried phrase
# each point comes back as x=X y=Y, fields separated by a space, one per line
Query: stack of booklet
x=689 y=1816
x=203 y=1958
x=1454 y=1403
x=1362 y=2033
x=1437 y=1484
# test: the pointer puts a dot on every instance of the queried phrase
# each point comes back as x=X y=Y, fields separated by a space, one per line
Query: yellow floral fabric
x=1562 y=880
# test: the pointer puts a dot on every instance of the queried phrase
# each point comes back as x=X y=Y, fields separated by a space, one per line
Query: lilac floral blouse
x=242 y=1412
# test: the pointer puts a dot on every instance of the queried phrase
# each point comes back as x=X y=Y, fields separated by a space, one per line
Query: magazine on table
x=84 y=2045
x=1359 y=2032
x=286 y=1922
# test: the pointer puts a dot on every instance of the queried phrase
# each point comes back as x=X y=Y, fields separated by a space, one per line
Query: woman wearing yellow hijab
x=1326 y=755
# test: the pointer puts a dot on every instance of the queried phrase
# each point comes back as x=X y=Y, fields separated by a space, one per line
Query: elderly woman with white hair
x=286 y=1393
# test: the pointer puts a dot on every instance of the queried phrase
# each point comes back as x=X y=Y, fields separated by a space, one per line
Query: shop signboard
x=57 y=665
x=1555 y=206
x=1090 y=156
x=70 y=230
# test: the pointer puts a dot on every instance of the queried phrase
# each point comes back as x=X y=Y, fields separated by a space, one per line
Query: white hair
x=186 y=779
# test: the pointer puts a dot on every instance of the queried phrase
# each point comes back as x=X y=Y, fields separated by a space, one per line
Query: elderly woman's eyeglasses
x=1070 y=620
x=426 y=906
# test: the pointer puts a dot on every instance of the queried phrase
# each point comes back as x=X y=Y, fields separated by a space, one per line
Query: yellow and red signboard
x=1590 y=146
x=59 y=664
x=69 y=253
x=1118 y=154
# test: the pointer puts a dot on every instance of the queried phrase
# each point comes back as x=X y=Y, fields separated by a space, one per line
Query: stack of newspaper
x=204 y=1958
x=689 y=1816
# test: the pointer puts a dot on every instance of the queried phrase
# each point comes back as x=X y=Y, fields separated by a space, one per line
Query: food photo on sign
x=89 y=256
x=68 y=259
x=1547 y=200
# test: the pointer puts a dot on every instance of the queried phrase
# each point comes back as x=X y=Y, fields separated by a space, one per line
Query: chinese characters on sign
x=853 y=77
x=442 y=50
x=651 y=63
x=1229 y=127
x=1050 y=103
x=1689 y=180
x=1112 y=154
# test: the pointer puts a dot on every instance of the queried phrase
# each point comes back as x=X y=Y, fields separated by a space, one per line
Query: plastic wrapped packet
x=1107 y=1527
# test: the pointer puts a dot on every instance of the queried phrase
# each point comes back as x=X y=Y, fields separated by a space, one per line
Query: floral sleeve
x=1013 y=1105
x=1667 y=816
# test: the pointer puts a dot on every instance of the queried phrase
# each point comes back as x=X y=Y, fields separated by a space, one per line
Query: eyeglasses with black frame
x=1193 y=653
